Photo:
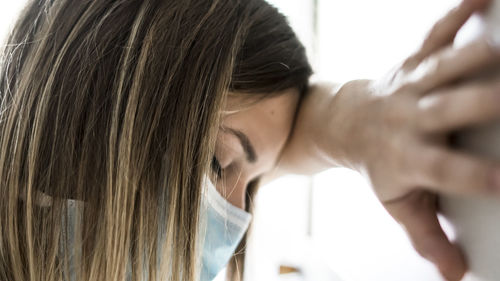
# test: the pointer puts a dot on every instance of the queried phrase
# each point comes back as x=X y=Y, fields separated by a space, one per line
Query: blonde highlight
x=113 y=107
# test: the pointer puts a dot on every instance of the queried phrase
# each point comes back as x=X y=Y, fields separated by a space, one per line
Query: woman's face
x=250 y=140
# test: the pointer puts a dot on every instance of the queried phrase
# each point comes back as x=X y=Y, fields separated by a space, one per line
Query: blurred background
x=331 y=226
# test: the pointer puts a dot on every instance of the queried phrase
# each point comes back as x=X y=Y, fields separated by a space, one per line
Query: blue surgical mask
x=225 y=226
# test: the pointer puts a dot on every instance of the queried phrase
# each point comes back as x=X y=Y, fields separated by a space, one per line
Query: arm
x=302 y=153
x=394 y=131
x=308 y=150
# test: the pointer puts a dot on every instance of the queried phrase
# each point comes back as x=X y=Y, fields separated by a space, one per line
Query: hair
x=117 y=104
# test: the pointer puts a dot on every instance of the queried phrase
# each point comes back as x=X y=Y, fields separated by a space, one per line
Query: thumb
x=417 y=213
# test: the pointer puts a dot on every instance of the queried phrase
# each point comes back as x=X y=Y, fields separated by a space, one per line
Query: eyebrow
x=246 y=144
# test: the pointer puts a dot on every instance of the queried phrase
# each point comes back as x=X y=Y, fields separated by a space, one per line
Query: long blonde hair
x=116 y=104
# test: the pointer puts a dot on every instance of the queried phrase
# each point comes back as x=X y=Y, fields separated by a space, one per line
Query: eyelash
x=216 y=168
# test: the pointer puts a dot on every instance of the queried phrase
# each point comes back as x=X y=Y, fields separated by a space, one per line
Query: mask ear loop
x=225 y=225
x=225 y=209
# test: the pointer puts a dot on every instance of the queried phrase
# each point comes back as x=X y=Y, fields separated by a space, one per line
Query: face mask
x=222 y=231
x=225 y=226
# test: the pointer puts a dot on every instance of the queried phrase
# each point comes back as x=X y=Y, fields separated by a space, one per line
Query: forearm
x=324 y=132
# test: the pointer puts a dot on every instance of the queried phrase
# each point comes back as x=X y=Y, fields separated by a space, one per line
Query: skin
x=393 y=131
x=266 y=125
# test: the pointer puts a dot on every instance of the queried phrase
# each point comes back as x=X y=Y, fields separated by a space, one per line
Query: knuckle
x=431 y=110
x=436 y=65
x=438 y=169
x=429 y=70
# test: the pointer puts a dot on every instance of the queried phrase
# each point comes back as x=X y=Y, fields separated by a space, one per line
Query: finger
x=417 y=213
x=458 y=107
x=445 y=30
x=450 y=65
x=453 y=172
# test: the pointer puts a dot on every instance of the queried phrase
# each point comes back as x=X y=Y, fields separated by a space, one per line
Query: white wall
x=363 y=38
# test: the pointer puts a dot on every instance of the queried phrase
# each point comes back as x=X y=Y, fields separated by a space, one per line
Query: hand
x=398 y=129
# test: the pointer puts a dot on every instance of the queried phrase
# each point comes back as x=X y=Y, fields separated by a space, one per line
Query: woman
x=118 y=116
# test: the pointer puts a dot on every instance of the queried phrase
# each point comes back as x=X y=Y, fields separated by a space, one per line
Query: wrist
x=344 y=137
x=328 y=131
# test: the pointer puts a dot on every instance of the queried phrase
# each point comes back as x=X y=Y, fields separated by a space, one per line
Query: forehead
x=267 y=122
